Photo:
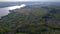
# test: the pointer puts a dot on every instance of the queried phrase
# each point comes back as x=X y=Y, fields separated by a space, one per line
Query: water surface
x=5 y=11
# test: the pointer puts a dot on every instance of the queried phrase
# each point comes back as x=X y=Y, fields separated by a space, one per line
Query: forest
x=31 y=20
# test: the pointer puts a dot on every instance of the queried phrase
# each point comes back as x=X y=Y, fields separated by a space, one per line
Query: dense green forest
x=31 y=20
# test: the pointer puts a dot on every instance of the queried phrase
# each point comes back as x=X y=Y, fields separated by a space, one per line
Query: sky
x=28 y=0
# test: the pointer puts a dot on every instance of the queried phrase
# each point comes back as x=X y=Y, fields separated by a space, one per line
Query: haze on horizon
x=29 y=0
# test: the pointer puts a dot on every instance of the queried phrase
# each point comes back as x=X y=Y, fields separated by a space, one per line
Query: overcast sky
x=30 y=0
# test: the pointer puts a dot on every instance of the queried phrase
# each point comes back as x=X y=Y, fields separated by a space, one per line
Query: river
x=5 y=11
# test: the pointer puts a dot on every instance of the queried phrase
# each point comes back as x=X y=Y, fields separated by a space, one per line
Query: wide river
x=4 y=11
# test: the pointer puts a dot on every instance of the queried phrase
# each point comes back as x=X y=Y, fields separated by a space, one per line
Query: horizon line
x=29 y=1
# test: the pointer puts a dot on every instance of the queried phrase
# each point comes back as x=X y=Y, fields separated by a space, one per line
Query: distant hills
x=6 y=4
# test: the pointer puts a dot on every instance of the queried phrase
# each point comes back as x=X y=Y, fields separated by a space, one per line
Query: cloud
x=29 y=0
